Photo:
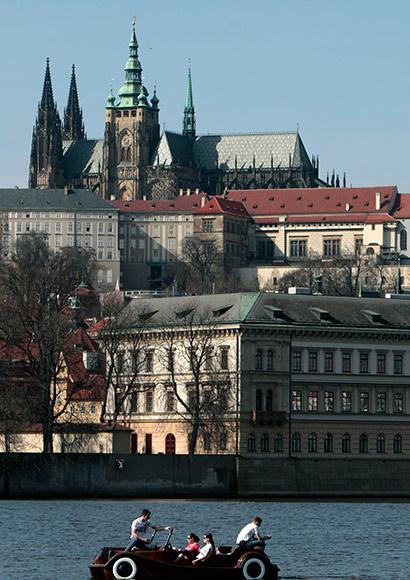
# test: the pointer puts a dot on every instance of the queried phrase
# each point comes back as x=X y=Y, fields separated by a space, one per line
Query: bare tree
x=197 y=363
x=126 y=355
x=206 y=264
x=37 y=285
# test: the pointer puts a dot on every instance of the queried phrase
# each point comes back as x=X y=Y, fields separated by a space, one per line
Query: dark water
x=56 y=540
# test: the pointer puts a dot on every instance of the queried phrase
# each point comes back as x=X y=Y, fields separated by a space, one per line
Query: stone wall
x=170 y=476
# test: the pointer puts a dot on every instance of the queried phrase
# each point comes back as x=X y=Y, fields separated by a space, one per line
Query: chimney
x=66 y=190
x=188 y=191
x=112 y=197
x=348 y=206
x=144 y=197
x=377 y=200
x=181 y=191
x=197 y=190
x=203 y=200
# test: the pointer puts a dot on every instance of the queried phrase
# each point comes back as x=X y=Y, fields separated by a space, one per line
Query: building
x=76 y=218
x=133 y=160
x=300 y=375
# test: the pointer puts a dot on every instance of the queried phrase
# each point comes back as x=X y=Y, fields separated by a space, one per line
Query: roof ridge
x=256 y=134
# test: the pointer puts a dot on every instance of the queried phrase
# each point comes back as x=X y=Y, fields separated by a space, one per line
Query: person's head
x=145 y=514
x=209 y=539
x=192 y=538
x=257 y=521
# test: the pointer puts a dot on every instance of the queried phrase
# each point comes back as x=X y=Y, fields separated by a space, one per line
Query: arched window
x=403 y=240
x=312 y=443
x=328 y=443
x=258 y=360
x=346 y=443
x=380 y=444
x=223 y=441
x=269 y=406
x=265 y=442
x=251 y=442
x=296 y=443
x=269 y=363
x=258 y=401
x=170 y=444
x=363 y=443
x=397 y=443
x=278 y=443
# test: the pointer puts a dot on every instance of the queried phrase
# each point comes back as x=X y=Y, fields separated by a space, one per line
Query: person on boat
x=191 y=550
x=139 y=529
x=208 y=547
x=250 y=536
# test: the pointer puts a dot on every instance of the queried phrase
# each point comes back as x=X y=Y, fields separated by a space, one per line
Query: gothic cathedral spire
x=73 y=116
x=189 y=111
x=46 y=159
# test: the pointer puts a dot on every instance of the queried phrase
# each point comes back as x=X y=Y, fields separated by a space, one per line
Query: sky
x=339 y=70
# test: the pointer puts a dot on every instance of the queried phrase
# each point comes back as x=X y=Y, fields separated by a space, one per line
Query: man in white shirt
x=250 y=536
x=139 y=529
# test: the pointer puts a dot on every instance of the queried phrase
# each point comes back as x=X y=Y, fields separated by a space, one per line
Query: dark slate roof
x=266 y=148
x=173 y=148
x=82 y=157
x=378 y=314
x=53 y=199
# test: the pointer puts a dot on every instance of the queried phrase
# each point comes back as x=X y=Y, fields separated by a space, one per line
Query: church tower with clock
x=131 y=133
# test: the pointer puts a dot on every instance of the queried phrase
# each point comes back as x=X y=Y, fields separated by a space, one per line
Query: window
x=328 y=362
x=296 y=361
x=224 y=359
x=398 y=364
x=149 y=361
x=381 y=403
x=58 y=240
x=346 y=362
x=358 y=243
x=331 y=248
x=207 y=442
x=312 y=443
x=363 y=444
x=346 y=443
x=223 y=441
x=265 y=443
x=364 y=402
x=296 y=400
x=403 y=240
x=296 y=443
x=58 y=228
x=134 y=402
x=70 y=228
x=100 y=241
x=258 y=360
x=313 y=399
x=278 y=443
x=398 y=403
x=192 y=399
x=170 y=444
x=346 y=401
x=329 y=401
x=269 y=364
x=149 y=401
x=269 y=401
x=380 y=444
x=312 y=361
x=328 y=443
x=381 y=362
x=207 y=226
x=251 y=443
x=259 y=400
x=170 y=401
x=298 y=248
x=397 y=443
x=120 y=362
x=364 y=362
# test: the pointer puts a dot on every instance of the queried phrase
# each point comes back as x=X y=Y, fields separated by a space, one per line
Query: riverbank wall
x=29 y=475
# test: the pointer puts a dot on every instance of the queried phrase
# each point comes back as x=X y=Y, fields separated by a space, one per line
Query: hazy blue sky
x=338 y=68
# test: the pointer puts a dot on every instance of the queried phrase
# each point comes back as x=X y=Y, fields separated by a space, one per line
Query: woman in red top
x=191 y=550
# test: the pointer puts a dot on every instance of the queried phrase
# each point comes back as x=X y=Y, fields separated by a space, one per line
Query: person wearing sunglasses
x=191 y=550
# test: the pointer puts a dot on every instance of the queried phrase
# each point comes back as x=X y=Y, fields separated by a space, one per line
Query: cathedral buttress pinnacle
x=73 y=116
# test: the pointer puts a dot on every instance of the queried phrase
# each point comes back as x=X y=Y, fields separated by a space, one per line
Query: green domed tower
x=131 y=133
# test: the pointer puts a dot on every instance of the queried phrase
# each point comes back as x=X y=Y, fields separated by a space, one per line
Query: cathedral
x=134 y=160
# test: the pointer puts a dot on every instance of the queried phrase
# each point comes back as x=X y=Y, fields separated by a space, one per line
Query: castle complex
x=135 y=161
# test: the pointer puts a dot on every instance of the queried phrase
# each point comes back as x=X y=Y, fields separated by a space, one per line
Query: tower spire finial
x=189 y=124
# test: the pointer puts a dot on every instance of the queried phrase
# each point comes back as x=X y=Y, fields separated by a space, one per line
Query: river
x=56 y=540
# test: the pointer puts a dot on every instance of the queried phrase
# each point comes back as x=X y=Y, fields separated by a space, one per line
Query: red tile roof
x=186 y=203
x=402 y=209
x=222 y=205
x=316 y=201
